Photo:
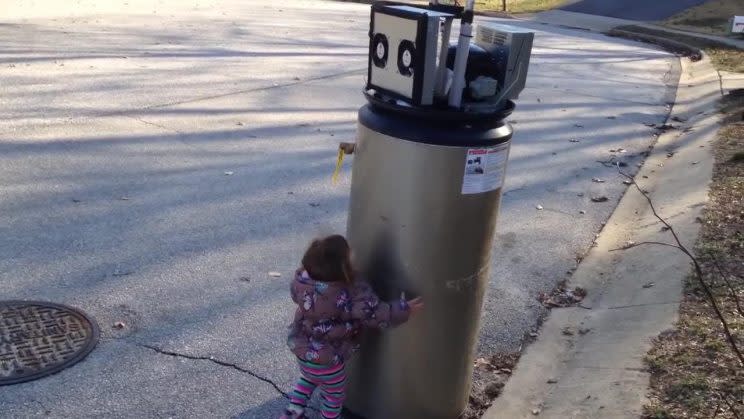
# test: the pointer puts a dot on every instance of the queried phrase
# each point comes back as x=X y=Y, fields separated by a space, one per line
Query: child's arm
x=373 y=313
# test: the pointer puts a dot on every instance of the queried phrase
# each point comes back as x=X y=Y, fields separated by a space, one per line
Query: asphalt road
x=645 y=10
x=159 y=158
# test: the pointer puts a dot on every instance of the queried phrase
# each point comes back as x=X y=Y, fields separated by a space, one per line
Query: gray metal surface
x=414 y=231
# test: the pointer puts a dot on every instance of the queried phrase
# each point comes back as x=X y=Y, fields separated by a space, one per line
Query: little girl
x=332 y=309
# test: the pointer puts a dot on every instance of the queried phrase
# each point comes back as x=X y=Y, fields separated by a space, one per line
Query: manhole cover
x=38 y=339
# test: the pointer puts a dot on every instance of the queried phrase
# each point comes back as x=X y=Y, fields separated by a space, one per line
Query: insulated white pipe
x=461 y=58
x=441 y=86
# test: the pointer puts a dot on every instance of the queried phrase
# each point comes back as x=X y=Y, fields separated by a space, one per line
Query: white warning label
x=485 y=169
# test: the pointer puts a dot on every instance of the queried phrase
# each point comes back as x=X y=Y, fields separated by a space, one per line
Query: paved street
x=159 y=158
x=631 y=9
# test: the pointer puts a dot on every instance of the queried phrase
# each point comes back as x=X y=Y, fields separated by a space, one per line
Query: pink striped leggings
x=332 y=382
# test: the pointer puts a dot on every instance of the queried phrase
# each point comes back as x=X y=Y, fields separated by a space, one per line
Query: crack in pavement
x=218 y=362
x=163 y=127
x=254 y=89
x=43 y=407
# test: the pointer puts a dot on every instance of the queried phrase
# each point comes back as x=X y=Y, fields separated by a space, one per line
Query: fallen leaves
x=489 y=377
x=562 y=296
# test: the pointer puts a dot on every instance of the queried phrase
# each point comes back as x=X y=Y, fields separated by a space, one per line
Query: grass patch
x=726 y=59
x=518 y=6
x=657 y=412
x=694 y=373
x=710 y=17
x=512 y=6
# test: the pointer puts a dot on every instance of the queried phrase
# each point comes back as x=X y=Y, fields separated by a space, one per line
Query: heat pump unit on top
x=403 y=52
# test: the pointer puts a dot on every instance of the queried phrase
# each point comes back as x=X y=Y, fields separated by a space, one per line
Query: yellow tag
x=339 y=164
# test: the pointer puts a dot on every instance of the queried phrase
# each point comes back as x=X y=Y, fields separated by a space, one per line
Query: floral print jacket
x=330 y=316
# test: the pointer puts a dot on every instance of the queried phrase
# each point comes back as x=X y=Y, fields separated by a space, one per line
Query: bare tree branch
x=717 y=411
x=731 y=407
x=732 y=290
x=630 y=246
x=698 y=270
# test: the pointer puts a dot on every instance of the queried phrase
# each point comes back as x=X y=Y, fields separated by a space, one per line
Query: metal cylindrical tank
x=425 y=196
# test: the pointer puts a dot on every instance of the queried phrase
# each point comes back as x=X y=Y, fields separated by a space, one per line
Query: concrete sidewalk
x=604 y=24
x=588 y=361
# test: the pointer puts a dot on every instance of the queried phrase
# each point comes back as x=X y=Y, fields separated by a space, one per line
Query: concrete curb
x=686 y=37
x=678 y=42
x=671 y=45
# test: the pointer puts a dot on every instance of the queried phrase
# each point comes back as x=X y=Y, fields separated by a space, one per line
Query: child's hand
x=415 y=305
